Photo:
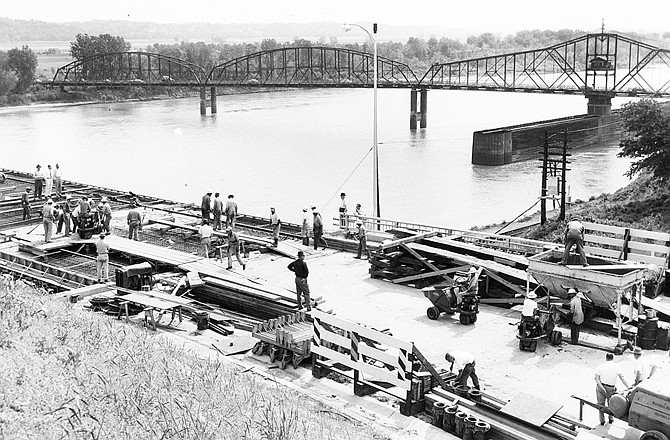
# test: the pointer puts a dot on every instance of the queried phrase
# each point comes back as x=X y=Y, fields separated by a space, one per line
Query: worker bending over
x=574 y=236
x=465 y=365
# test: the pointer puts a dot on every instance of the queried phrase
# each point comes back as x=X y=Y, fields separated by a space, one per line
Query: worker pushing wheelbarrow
x=460 y=297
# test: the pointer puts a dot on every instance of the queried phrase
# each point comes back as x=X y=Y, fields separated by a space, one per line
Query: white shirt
x=461 y=358
x=529 y=307
x=608 y=372
x=643 y=367
x=58 y=174
x=205 y=231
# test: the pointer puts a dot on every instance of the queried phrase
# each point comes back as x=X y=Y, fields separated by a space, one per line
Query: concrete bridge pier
x=203 y=101
x=600 y=104
x=212 y=93
x=422 y=113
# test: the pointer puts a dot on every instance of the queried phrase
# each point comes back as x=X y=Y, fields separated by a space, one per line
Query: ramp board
x=531 y=409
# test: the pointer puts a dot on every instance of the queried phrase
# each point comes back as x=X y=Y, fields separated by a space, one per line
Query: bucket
x=202 y=320
x=73 y=298
x=438 y=413
x=475 y=394
x=481 y=428
x=651 y=313
x=449 y=418
x=462 y=390
x=469 y=427
x=459 y=426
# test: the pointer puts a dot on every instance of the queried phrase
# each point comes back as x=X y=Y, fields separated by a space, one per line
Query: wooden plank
x=656 y=305
x=609 y=253
x=505 y=283
x=602 y=239
x=531 y=409
x=144 y=300
x=225 y=284
x=425 y=261
x=604 y=228
x=429 y=274
x=406 y=240
x=648 y=247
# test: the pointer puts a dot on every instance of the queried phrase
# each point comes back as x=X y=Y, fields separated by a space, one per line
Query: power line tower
x=554 y=165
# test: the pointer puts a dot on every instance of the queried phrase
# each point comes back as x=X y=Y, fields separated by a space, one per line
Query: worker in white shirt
x=464 y=363
x=606 y=376
x=529 y=310
x=205 y=231
x=643 y=370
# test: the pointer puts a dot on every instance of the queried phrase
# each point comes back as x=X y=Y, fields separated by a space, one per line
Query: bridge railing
x=504 y=243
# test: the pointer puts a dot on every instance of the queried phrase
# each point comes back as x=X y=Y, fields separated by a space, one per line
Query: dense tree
x=22 y=62
x=86 y=45
x=646 y=137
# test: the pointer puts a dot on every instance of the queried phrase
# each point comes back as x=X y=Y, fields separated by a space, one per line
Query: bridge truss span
x=594 y=64
x=130 y=68
x=311 y=66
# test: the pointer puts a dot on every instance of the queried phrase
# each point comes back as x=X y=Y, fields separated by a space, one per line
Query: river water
x=290 y=149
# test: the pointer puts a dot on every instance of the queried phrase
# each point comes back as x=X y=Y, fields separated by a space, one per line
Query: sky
x=483 y=15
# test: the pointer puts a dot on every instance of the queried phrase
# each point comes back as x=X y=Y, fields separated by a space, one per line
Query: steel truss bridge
x=599 y=66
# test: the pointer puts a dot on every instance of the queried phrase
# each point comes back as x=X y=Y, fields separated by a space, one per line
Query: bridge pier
x=600 y=104
x=212 y=93
x=203 y=101
x=422 y=114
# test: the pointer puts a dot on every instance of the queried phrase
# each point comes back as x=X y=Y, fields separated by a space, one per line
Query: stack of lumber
x=422 y=259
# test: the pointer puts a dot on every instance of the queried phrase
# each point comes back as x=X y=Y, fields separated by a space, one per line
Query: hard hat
x=50 y=200
x=473 y=269
x=572 y=290
x=637 y=350
x=531 y=295
x=103 y=200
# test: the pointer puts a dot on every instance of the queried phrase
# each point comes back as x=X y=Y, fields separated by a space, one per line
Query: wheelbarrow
x=446 y=300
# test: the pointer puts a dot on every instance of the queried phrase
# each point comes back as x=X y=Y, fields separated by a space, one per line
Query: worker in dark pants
x=574 y=236
x=25 y=204
x=606 y=376
x=361 y=234
x=465 y=365
x=299 y=268
x=577 y=315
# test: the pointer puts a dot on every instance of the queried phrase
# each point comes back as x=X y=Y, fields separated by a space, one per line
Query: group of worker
x=71 y=214
x=45 y=181
x=211 y=211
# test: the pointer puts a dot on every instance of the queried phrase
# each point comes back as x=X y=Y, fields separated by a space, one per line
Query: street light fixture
x=375 y=155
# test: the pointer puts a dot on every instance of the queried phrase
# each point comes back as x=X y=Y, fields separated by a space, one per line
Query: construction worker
x=48 y=216
x=574 y=236
x=231 y=211
x=304 y=230
x=106 y=215
x=234 y=248
x=343 y=213
x=205 y=232
x=217 y=210
x=299 y=267
x=643 y=370
x=102 y=262
x=25 y=203
x=465 y=366
x=529 y=310
x=576 y=313
x=134 y=221
x=206 y=206
x=58 y=181
x=275 y=222
x=49 y=179
x=606 y=376
x=39 y=181
x=318 y=229
x=361 y=234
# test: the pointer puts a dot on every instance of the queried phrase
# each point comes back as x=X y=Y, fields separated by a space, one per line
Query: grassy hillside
x=71 y=373
x=643 y=204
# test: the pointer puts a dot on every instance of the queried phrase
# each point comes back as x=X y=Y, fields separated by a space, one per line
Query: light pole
x=375 y=154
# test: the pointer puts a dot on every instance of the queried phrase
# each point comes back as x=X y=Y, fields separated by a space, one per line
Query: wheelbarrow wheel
x=556 y=337
x=473 y=319
x=654 y=435
x=465 y=319
x=433 y=313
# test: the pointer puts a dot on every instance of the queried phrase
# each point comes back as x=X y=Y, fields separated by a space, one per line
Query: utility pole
x=552 y=155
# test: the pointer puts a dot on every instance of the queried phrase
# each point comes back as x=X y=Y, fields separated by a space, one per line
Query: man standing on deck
x=318 y=229
x=206 y=206
x=465 y=365
x=58 y=180
x=66 y=217
x=234 y=248
x=49 y=178
x=39 y=181
x=276 y=226
x=205 y=231
x=134 y=220
x=106 y=215
x=25 y=203
x=304 y=230
x=231 y=211
x=577 y=314
x=343 y=213
x=362 y=240
x=574 y=236
x=48 y=215
x=102 y=262
x=606 y=375
x=217 y=210
x=299 y=268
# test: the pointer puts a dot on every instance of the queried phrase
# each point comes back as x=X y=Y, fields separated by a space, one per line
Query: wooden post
x=564 y=173
x=543 y=194
x=424 y=109
x=203 y=101
x=412 y=109
x=618 y=316
x=213 y=99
